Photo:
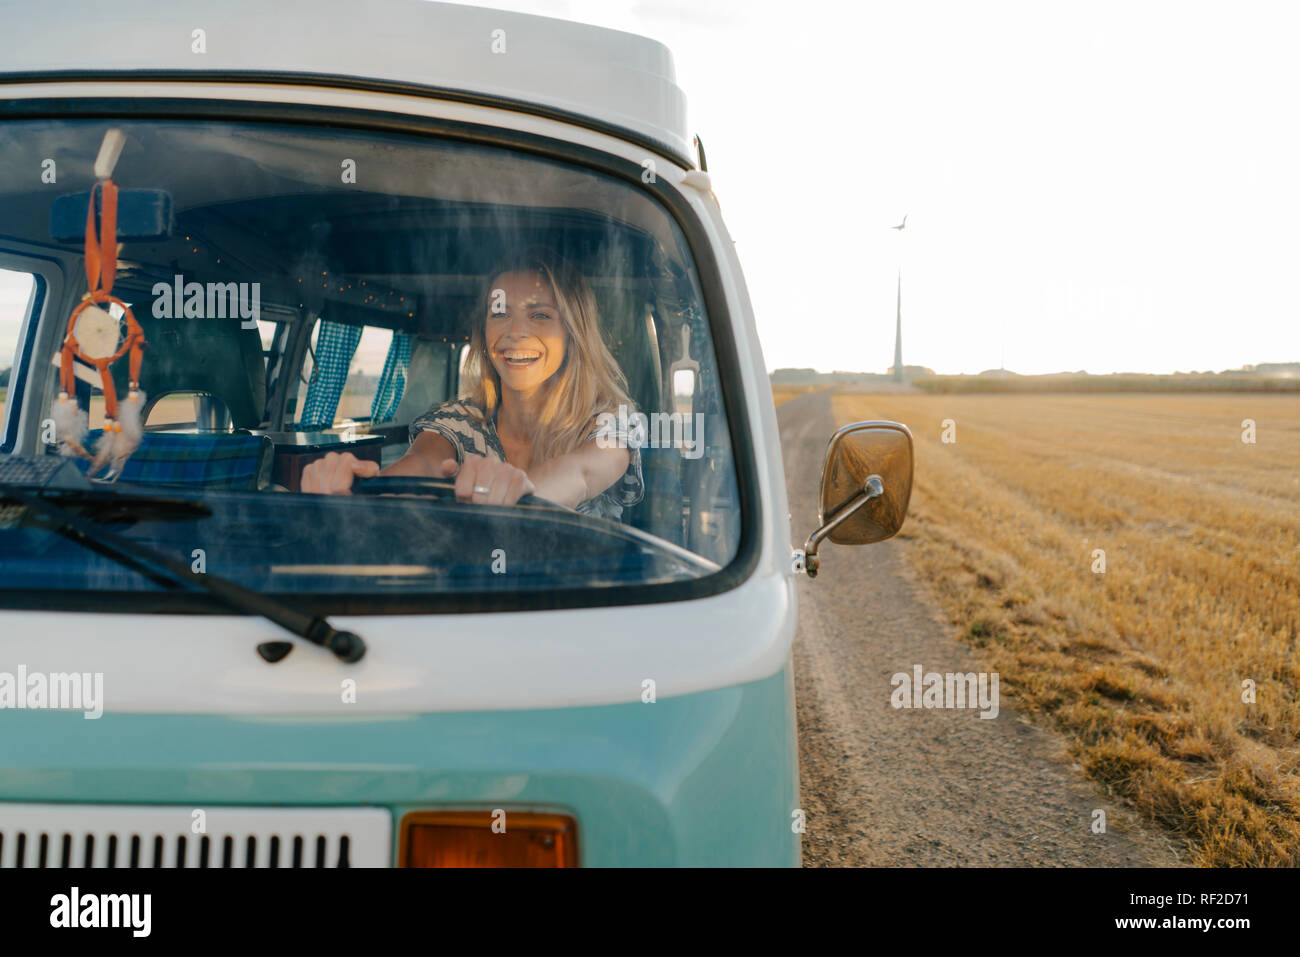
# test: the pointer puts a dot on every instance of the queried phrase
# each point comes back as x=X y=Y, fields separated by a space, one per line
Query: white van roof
x=590 y=73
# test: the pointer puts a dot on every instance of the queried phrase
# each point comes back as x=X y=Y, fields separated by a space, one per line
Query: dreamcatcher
x=95 y=337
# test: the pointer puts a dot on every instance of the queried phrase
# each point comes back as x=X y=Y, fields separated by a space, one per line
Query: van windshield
x=311 y=296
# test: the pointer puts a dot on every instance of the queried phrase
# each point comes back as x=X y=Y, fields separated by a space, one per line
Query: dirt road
x=925 y=787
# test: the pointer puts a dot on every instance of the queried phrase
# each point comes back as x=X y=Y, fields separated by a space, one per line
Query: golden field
x=781 y=393
x=1148 y=667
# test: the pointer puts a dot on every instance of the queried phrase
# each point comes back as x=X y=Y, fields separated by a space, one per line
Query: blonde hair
x=588 y=381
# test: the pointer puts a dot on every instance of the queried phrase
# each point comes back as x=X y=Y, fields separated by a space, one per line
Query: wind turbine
x=898 y=327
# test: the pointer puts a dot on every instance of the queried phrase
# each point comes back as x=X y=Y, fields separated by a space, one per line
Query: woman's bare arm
x=565 y=480
x=334 y=473
x=579 y=475
x=425 y=457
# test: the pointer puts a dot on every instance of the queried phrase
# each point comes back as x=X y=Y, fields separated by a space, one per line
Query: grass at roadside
x=1144 y=666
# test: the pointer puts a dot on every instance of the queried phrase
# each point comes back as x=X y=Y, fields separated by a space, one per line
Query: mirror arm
x=872 y=488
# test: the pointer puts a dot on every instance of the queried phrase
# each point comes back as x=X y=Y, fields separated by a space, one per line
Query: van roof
x=581 y=72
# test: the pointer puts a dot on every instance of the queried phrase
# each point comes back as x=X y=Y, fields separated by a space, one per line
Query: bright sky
x=1101 y=186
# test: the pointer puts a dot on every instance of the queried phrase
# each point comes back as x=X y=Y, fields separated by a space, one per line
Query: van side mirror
x=866 y=485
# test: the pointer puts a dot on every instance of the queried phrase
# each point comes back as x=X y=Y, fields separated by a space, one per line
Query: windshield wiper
x=345 y=645
x=113 y=505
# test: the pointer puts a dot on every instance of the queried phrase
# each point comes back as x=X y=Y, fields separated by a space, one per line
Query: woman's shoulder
x=460 y=409
x=462 y=423
x=623 y=427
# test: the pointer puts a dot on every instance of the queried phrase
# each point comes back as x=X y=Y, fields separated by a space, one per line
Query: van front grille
x=96 y=835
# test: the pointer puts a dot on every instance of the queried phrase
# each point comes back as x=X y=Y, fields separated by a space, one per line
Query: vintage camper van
x=239 y=240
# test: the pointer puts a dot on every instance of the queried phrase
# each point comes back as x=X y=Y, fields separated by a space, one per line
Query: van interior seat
x=216 y=356
x=427 y=380
x=629 y=331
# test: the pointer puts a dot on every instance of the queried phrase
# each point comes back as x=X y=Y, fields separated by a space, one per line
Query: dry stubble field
x=782 y=392
x=1142 y=667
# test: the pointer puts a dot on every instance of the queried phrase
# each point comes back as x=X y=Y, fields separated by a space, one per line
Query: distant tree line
x=1265 y=377
x=813 y=377
x=1120 y=382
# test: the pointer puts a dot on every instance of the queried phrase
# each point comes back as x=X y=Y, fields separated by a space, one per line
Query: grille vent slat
x=134 y=851
x=53 y=835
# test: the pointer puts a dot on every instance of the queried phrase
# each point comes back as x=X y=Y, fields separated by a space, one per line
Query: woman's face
x=525 y=335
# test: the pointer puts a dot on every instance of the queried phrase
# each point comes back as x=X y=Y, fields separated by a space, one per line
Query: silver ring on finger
x=482 y=490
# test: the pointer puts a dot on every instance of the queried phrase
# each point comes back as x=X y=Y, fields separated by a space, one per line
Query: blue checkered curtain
x=392 y=382
x=335 y=344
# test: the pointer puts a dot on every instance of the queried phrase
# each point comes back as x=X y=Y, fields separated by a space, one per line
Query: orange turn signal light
x=487 y=839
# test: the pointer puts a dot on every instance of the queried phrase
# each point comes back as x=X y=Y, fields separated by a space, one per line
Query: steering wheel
x=440 y=488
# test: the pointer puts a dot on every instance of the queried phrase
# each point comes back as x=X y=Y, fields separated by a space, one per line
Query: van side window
x=16 y=289
x=344 y=372
x=266 y=331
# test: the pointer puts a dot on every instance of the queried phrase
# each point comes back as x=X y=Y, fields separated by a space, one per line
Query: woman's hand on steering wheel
x=486 y=481
x=333 y=473
x=480 y=481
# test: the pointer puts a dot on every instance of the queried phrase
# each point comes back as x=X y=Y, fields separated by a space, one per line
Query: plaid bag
x=195 y=461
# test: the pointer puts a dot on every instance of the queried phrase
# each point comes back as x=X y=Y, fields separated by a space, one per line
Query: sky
x=1091 y=186
x=1099 y=186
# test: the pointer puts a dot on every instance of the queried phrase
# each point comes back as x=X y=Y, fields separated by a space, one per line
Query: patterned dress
x=471 y=434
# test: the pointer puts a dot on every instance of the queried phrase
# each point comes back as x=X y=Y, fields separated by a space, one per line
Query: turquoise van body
x=668 y=786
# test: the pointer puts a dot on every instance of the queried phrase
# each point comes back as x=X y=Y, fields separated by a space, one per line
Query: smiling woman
x=538 y=378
